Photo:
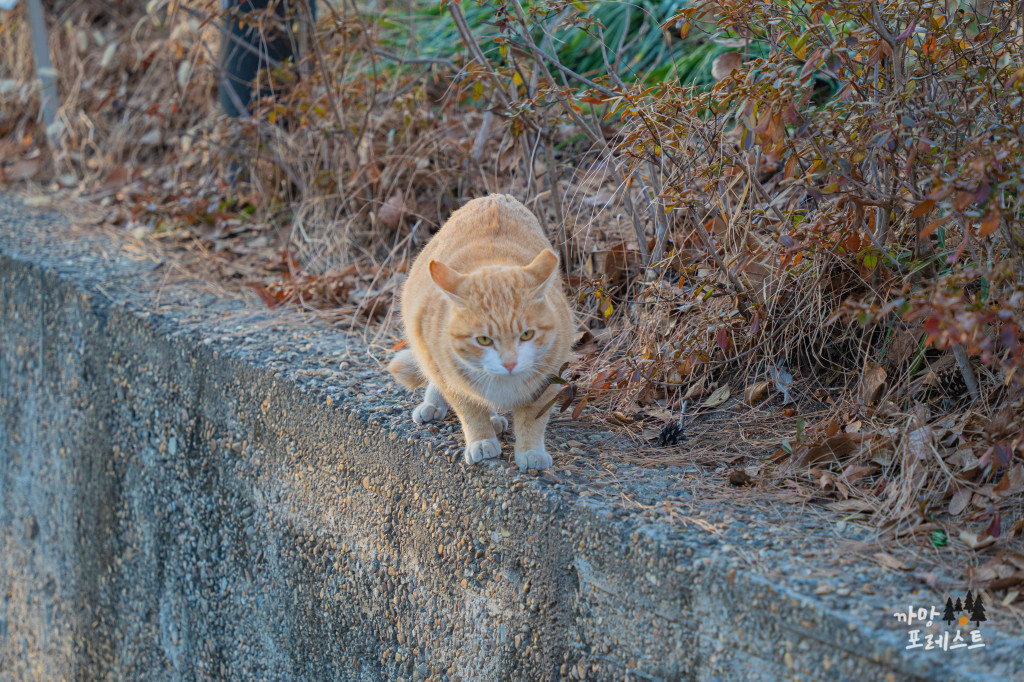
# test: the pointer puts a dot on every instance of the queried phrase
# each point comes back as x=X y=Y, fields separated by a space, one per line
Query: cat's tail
x=405 y=370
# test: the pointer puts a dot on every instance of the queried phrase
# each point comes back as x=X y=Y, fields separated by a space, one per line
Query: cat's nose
x=510 y=365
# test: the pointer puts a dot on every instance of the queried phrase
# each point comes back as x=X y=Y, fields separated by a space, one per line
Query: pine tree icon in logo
x=978 y=613
x=948 y=615
x=964 y=619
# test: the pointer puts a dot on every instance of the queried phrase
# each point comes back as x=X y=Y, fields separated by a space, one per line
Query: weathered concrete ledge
x=194 y=489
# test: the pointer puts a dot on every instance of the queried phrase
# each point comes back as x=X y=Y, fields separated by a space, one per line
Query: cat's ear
x=446 y=278
x=543 y=270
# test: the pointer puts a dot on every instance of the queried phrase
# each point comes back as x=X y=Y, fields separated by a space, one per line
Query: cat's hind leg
x=406 y=371
x=434 y=407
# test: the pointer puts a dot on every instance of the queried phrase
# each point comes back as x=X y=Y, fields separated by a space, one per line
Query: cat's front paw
x=426 y=413
x=480 y=450
x=499 y=423
x=534 y=458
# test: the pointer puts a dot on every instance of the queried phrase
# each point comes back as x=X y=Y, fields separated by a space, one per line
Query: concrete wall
x=181 y=504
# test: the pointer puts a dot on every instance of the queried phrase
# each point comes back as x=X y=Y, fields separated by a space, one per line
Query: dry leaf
x=990 y=223
x=696 y=389
x=1012 y=482
x=377 y=306
x=922 y=208
x=114 y=180
x=902 y=348
x=740 y=477
x=852 y=505
x=855 y=472
x=872 y=383
x=836 y=447
x=1015 y=559
x=960 y=500
x=724 y=64
x=718 y=397
x=756 y=393
x=1009 y=581
x=971 y=540
x=919 y=442
x=889 y=561
x=931 y=227
x=994 y=528
x=392 y=210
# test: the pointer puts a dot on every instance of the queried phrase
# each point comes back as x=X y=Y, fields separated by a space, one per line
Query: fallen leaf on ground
x=973 y=542
x=114 y=180
x=994 y=528
x=872 y=383
x=919 y=442
x=1009 y=581
x=889 y=561
x=695 y=390
x=902 y=347
x=837 y=447
x=740 y=477
x=377 y=306
x=756 y=393
x=718 y=397
x=852 y=505
x=960 y=500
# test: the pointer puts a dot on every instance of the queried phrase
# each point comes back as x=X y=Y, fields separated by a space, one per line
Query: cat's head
x=502 y=323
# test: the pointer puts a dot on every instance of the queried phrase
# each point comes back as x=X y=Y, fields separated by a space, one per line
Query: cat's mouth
x=504 y=374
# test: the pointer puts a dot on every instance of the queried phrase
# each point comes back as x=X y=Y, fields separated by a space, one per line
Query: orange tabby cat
x=487 y=323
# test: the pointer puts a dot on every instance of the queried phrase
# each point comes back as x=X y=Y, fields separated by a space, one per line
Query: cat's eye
x=483 y=340
x=527 y=335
